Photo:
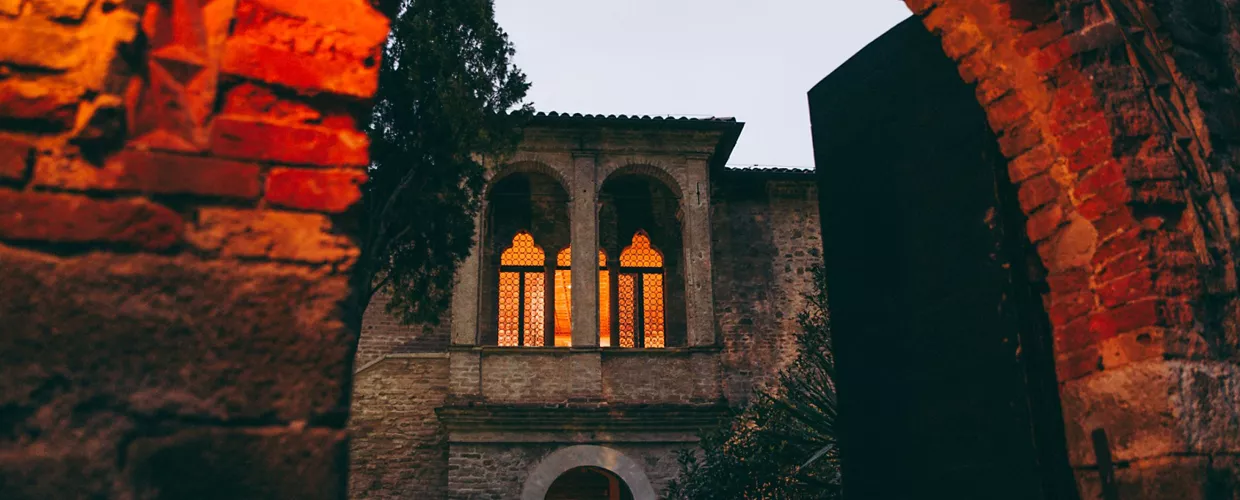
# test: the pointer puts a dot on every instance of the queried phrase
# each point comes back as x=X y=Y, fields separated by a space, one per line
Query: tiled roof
x=670 y=118
x=759 y=169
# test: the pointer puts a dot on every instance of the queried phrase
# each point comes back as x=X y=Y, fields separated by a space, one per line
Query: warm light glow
x=564 y=302
x=641 y=279
x=521 y=286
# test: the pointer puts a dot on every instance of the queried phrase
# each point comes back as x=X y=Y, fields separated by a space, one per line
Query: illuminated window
x=564 y=301
x=641 y=294
x=521 y=293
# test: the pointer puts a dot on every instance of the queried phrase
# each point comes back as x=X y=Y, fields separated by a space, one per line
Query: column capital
x=585 y=153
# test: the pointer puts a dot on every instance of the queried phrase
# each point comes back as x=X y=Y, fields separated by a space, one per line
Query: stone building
x=543 y=380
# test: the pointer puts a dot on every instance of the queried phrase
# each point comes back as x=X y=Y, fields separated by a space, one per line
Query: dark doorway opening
x=589 y=483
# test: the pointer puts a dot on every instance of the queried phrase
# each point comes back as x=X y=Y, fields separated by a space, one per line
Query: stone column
x=585 y=249
x=699 y=292
x=206 y=315
x=549 y=298
x=465 y=294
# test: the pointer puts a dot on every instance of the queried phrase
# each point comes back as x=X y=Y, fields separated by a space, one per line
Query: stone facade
x=507 y=415
x=176 y=186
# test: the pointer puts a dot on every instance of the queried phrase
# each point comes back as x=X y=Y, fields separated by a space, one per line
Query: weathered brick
x=1073 y=336
x=1077 y=364
x=51 y=106
x=1126 y=288
x=1109 y=200
x=1125 y=318
x=1036 y=192
x=1123 y=264
x=1030 y=163
x=14 y=159
x=1089 y=155
x=270 y=235
x=337 y=54
x=1043 y=223
x=62 y=10
x=1068 y=307
x=320 y=190
x=244 y=138
x=1103 y=176
x=151 y=172
x=61 y=218
x=41 y=46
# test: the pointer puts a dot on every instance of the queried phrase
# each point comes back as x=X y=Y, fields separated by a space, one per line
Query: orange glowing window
x=641 y=294
x=564 y=301
x=521 y=293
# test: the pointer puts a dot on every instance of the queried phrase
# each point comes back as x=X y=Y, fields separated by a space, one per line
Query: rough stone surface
x=400 y=447
x=166 y=334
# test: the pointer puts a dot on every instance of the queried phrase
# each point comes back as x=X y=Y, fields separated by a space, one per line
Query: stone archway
x=572 y=457
x=1117 y=118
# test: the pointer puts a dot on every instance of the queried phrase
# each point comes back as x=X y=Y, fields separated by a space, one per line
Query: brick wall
x=383 y=333
x=398 y=447
x=767 y=236
x=176 y=190
x=497 y=471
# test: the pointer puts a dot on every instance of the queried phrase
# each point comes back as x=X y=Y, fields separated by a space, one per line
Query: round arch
x=526 y=167
x=659 y=174
x=564 y=459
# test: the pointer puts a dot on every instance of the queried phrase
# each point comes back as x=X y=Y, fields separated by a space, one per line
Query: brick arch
x=1119 y=170
x=564 y=459
x=526 y=167
x=650 y=170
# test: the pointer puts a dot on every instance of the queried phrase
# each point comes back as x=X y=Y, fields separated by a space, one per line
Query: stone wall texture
x=400 y=449
x=767 y=237
x=177 y=184
x=497 y=471
x=1118 y=118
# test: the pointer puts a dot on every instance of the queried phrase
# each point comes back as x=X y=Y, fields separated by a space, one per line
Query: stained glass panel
x=534 y=309
x=604 y=310
x=640 y=253
x=652 y=309
x=523 y=252
x=563 y=307
x=565 y=257
x=509 y=297
x=626 y=310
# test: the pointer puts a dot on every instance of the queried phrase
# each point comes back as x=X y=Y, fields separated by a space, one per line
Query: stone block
x=331 y=191
x=14 y=159
x=43 y=46
x=62 y=10
x=1182 y=478
x=176 y=336
x=61 y=218
x=280 y=236
x=227 y=463
x=50 y=106
x=322 y=46
x=244 y=138
x=150 y=172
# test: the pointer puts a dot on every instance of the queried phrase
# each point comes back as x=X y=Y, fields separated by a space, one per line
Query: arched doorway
x=589 y=483
x=546 y=476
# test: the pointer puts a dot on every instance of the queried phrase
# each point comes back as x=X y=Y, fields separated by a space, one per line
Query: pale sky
x=750 y=59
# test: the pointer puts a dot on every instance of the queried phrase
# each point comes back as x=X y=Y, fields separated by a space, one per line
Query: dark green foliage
x=762 y=452
x=448 y=96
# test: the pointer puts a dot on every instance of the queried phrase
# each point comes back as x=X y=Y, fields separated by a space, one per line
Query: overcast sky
x=750 y=59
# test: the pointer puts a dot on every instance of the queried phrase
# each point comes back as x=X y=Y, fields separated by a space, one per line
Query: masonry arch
x=504 y=170
x=640 y=213
x=525 y=216
x=563 y=460
x=651 y=170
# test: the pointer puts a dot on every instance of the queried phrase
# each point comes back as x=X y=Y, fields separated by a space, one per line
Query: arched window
x=641 y=294
x=521 y=292
x=563 y=299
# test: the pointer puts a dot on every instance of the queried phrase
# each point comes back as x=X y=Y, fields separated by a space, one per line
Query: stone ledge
x=580 y=417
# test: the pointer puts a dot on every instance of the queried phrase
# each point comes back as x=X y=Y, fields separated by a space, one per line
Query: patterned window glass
x=626 y=310
x=640 y=253
x=521 y=293
x=604 y=302
x=534 y=309
x=641 y=309
x=509 y=300
x=652 y=309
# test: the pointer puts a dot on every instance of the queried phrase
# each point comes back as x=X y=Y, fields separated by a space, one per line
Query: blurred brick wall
x=178 y=183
